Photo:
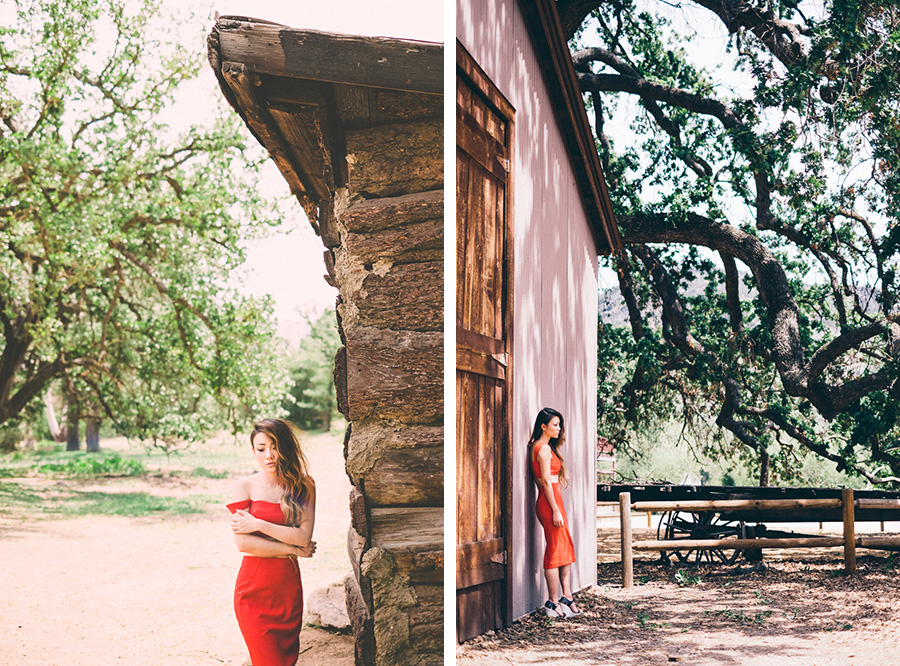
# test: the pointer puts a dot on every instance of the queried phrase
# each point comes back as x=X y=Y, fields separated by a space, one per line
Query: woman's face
x=265 y=452
x=551 y=428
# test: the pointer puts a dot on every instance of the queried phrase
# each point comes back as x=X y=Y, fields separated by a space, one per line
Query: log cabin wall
x=356 y=127
x=555 y=294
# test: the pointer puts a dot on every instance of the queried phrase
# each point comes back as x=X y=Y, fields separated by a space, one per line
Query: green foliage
x=119 y=234
x=92 y=465
x=686 y=579
x=311 y=370
x=791 y=158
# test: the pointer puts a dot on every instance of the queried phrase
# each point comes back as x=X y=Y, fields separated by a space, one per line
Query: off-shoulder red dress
x=560 y=549
x=268 y=598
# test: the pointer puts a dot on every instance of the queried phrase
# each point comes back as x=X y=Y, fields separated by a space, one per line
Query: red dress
x=268 y=598
x=560 y=549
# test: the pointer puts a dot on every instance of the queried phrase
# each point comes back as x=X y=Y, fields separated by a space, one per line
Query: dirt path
x=799 y=611
x=155 y=591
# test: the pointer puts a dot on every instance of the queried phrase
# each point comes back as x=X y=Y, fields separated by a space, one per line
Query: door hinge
x=504 y=163
x=499 y=558
x=502 y=359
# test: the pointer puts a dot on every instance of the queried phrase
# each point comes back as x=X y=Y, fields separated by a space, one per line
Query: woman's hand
x=242 y=522
x=557 y=518
x=305 y=551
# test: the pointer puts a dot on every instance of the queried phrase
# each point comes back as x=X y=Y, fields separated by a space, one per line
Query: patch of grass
x=761 y=597
x=742 y=618
x=92 y=465
x=15 y=494
x=685 y=578
x=124 y=504
x=209 y=473
x=15 y=497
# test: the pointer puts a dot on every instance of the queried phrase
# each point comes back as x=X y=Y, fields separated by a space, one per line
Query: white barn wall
x=555 y=302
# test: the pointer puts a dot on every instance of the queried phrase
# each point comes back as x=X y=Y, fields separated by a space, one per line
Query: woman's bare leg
x=565 y=576
x=552 y=576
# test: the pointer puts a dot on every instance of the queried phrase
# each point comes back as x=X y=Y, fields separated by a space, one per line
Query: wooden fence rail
x=849 y=540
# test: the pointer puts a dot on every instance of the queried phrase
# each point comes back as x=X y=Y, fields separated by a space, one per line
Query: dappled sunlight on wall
x=555 y=302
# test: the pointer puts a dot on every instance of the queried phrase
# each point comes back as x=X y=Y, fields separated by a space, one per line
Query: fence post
x=625 y=533
x=849 y=531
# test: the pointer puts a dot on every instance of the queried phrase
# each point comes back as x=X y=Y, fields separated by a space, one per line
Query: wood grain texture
x=397 y=159
x=322 y=56
x=394 y=376
x=384 y=213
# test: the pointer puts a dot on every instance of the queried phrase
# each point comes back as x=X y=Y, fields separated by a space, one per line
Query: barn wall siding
x=555 y=295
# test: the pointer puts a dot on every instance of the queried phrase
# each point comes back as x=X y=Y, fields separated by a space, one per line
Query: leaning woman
x=547 y=436
x=274 y=514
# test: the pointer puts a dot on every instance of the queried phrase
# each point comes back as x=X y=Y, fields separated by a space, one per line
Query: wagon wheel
x=677 y=525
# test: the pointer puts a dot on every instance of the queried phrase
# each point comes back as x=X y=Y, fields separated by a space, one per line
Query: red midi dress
x=268 y=598
x=560 y=549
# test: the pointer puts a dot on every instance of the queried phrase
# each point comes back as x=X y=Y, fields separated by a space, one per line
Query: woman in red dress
x=274 y=514
x=549 y=471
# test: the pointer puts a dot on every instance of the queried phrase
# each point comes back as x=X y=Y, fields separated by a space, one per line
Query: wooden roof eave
x=545 y=27
x=246 y=53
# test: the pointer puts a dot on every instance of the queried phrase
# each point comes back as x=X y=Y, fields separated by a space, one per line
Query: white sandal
x=553 y=610
x=566 y=604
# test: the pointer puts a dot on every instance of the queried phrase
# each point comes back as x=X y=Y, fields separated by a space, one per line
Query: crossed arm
x=254 y=536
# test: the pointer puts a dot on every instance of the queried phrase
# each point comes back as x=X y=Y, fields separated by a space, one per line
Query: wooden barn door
x=483 y=317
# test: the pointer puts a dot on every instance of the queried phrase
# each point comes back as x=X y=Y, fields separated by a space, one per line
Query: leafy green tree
x=312 y=384
x=758 y=195
x=118 y=235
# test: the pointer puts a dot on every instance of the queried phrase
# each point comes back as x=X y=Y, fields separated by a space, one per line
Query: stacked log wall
x=385 y=236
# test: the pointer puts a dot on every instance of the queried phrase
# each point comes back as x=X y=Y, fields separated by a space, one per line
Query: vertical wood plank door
x=483 y=135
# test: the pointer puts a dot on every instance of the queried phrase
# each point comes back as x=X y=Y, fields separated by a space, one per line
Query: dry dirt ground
x=798 y=610
x=152 y=591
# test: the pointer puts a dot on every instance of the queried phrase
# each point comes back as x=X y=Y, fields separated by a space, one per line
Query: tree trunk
x=56 y=432
x=92 y=435
x=73 y=442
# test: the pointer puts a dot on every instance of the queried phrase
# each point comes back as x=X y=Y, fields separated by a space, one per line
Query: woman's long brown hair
x=292 y=469
x=543 y=418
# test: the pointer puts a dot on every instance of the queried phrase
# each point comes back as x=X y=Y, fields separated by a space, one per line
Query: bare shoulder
x=242 y=488
x=543 y=453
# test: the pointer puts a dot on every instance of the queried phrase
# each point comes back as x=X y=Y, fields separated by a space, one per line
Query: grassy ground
x=50 y=481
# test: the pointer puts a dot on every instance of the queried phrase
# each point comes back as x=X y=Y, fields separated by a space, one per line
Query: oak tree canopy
x=753 y=155
x=118 y=233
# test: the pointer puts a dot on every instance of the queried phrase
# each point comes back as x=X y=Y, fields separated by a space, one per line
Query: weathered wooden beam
x=407 y=297
x=385 y=213
x=727 y=505
x=397 y=159
x=886 y=542
x=359 y=106
x=394 y=376
x=407 y=476
x=380 y=62
x=412 y=528
x=867 y=503
x=305 y=134
x=627 y=545
x=738 y=544
x=242 y=84
x=849 y=530
x=413 y=242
